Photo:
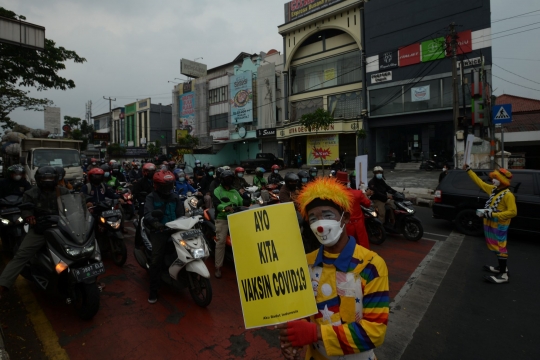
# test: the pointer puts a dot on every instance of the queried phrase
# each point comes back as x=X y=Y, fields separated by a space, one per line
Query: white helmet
x=378 y=168
x=226 y=167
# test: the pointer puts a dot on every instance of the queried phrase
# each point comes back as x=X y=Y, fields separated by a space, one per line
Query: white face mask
x=17 y=177
x=496 y=182
x=276 y=171
x=327 y=232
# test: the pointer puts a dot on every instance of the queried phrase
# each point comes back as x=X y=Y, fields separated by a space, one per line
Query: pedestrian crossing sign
x=502 y=114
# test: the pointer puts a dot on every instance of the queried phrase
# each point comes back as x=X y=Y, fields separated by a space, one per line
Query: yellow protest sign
x=271 y=267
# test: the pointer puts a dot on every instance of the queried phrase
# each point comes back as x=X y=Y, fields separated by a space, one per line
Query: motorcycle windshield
x=75 y=220
x=11 y=200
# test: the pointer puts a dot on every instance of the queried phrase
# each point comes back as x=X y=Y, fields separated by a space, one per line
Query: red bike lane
x=127 y=326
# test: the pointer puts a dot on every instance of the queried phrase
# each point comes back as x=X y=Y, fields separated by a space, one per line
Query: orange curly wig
x=503 y=175
x=325 y=188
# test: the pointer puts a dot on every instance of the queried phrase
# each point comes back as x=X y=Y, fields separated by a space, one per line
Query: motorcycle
x=405 y=221
x=273 y=194
x=108 y=233
x=3 y=353
x=374 y=227
x=12 y=225
x=184 y=260
x=70 y=258
x=127 y=206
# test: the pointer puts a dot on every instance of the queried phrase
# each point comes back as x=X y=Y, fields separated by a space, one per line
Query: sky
x=133 y=47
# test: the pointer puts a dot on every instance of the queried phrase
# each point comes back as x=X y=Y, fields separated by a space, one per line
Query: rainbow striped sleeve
x=366 y=333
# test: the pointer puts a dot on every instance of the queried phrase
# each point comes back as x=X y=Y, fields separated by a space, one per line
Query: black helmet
x=60 y=171
x=227 y=177
x=116 y=168
x=209 y=168
x=16 y=169
x=313 y=171
x=291 y=181
x=46 y=178
x=219 y=171
x=303 y=176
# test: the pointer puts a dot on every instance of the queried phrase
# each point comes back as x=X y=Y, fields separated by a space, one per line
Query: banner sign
x=271 y=268
x=322 y=146
x=381 y=77
x=192 y=69
x=388 y=60
x=409 y=55
x=180 y=134
x=433 y=49
x=241 y=98
x=261 y=133
x=297 y=9
x=420 y=93
x=187 y=112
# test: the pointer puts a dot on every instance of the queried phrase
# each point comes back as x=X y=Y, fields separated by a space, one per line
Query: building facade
x=322 y=66
x=51 y=120
x=409 y=74
x=145 y=122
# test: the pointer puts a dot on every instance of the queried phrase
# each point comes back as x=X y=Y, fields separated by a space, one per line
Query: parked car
x=457 y=197
x=264 y=160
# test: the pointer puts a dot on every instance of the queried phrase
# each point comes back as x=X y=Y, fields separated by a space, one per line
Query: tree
x=22 y=67
x=316 y=121
x=154 y=149
x=80 y=130
x=188 y=142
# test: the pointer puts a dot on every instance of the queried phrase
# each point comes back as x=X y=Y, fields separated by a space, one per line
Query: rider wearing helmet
x=44 y=197
x=313 y=173
x=109 y=178
x=303 y=177
x=337 y=165
x=171 y=165
x=135 y=174
x=97 y=189
x=61 y=177
x=225 y=197
x=198 y=165
x=117 y=172
x=379 y=190
x=289 y=192
x=161 y=198
x=215 y=183
x=240 y=182
x=182 y=187
x=15 y=183
x=258 y=180
x=93 y=164
x=145 y=186
x=275 y=177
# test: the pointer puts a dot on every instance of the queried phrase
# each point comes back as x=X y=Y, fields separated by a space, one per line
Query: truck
x=264 y=160
x=36 y=153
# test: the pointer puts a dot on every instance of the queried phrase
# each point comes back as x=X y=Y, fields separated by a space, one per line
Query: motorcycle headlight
x=5 y=221
x=374 y=213
x=261 y=201
x=129 y=196
x=197 y=253
x=20 y=219
x=410 y=211
x=193 y=202
x=114 y=224
x=102 y=219
x=73 y=251
x=88 y=249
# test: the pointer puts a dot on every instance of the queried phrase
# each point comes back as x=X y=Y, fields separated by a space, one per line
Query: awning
x=217 y=142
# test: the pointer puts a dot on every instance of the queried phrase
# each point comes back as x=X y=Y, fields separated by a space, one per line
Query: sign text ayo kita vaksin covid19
x=275 y=284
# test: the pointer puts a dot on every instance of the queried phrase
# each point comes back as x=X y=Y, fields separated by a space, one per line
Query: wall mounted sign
x=381 y=77
x=388 y=60
x=409 y=55
x=433 y=49
x=297 y=9
x=420 y=93
x=192 y=69
x=266 y=132
x=241 y=97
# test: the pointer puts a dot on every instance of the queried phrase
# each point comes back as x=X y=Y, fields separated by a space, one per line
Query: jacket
x=182 y=188
x=219 y=193
x=239 y=183
x=259 y=182
x=172 y=207
x=99 y=193
x=135 y=175
x=9 y=186
x=274 y=178
x=45 y=203
x=380 y=189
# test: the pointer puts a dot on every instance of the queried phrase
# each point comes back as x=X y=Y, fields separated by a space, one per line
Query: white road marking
x=441 y=235
x=425 y=238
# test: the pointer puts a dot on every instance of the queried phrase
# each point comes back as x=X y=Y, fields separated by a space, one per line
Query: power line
x=500 y=67
x=515 y=16
x=519 y=32
x=513 y=83
x=498 y=57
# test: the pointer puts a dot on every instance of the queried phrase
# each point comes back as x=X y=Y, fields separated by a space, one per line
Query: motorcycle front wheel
x=413 y=229
x=200 y=289
x=376 y=232
x=86 y=300
x=118 y=251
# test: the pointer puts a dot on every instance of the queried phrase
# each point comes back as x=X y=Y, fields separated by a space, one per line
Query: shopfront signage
x=192 y=69
x=420 y=93
x=470 y=62
x=101 y=136
x=433 y=49
x=409 y=55
x=241 y=98
x=299 y=130
x=381 y=77
x=388 y=60
x=297 y=9
x=323 y=148
x=261 y=133
x=464 y=43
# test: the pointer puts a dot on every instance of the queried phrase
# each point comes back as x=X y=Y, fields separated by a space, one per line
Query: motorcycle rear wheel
x=413 y=229
x=87 y=300
x=200 y=289
x=118 y=251
x=376 y=232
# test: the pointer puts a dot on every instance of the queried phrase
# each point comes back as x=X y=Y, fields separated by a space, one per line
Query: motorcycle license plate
x=110 y=213
x=191 y=234
x=88 y=271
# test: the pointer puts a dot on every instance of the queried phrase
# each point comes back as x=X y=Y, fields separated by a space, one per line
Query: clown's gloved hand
x=488 y=213
x=301 y=333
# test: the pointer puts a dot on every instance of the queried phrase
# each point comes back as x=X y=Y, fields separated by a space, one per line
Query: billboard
x=192 y=69
x=433 y=49
x=187 y=112
x=241 y=98
x=409 y=55
x=322 y=146
x=297 y=9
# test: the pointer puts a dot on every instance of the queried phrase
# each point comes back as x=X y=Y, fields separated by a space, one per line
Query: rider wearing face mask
x=15 y=183
x=61 y=178
x=275 y=177
x=497 y=213
x=303 y=175
x=350 y=283
x=380 y=191
x=181 y=186
x=289 y=191
x=313 y=173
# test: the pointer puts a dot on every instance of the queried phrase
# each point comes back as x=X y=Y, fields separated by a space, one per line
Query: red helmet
x=93 y=160
x=148 y=170
x=95 y=176
x=275 y=167
x=239 y=170
x=164 y=182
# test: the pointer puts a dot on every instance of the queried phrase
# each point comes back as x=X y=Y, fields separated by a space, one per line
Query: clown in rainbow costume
x=350 y=283
x=498 y=211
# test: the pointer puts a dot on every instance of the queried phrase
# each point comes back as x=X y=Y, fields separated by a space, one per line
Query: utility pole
x=110 y=117
x=455 y=98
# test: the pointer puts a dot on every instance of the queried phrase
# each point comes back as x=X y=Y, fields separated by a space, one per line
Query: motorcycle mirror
x=26 y=206
x=225 y=199
x=158 y=214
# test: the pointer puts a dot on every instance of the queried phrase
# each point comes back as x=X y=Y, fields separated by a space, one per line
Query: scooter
x=127 y=206
x=374 y=226
x=184 y=260
x=70 y=260
x=108 y=233
x=12 y=225
x=405 y=221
